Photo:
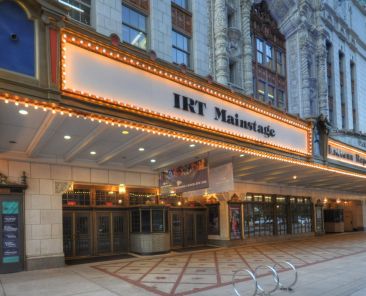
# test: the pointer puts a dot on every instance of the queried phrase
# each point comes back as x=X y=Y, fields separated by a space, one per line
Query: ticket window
x=12 y=228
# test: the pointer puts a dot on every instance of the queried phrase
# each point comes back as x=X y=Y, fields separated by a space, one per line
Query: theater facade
x=106 y=151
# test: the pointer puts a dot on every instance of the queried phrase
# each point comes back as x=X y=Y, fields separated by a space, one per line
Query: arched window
x=269 y=69
x=17 y=52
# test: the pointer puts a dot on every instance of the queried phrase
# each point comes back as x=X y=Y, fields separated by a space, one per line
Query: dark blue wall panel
x=16 y=39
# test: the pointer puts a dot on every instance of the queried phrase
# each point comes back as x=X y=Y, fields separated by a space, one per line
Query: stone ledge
x=45 y=262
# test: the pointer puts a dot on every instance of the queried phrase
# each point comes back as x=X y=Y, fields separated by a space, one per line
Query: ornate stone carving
x=220 y=35
x=234 y=44
x=62 y=186
x=247 y=47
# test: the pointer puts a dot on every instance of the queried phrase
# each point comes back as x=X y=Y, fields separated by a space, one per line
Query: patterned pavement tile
x=185 y=274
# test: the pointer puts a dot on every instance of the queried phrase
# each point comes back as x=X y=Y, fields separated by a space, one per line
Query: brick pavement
x=185 y=274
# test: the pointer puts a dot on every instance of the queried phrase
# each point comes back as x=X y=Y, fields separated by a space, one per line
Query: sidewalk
x=328 y=266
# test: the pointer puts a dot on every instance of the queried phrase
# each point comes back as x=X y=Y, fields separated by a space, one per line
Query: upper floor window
x=180 y=47
x=181 y=3
x=80 y=10
x=280 y=68
x=269 y=56
x=134 y=27
x=260 y=51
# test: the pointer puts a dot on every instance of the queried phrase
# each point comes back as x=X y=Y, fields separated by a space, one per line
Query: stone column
x=321 y=55
x=220 y=35
x=247 y=47
x=305 y=66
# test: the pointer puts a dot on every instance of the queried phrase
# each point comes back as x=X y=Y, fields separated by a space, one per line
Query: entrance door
x=103 y=233
x=188 y=228
x=176 y=229
x=120 y=232
x=82 y=241
x=95 y=233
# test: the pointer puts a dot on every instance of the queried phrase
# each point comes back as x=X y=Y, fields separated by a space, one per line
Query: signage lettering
x=198 y=107
x=188 y=104
x=340 y=154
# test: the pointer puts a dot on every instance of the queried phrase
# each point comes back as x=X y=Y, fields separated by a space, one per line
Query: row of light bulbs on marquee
x=115 y=54
x=30 y=103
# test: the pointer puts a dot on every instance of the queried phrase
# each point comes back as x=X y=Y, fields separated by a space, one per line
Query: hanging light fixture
x=122 y=189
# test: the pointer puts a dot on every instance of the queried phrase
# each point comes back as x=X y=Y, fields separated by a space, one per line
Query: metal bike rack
x=276 y=279
x=289 y=287
x=258 y=289
x=251 y=274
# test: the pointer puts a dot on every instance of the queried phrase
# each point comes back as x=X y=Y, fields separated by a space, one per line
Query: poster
x=10 y=223
x=189 y=177
x=235 y=221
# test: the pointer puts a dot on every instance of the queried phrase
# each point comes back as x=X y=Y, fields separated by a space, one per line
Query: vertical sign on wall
x=10 y=223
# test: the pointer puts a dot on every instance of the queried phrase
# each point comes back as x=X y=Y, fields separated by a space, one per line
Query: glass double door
x=188 y=228
x=95 y=233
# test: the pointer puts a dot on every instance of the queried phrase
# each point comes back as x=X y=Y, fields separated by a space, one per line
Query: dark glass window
x=181 y=3
x=145 y=220
x=259 y=45
x=261 y=90
x=85 y=5
x=135 y=220
x=280 y=63
x=269 y=56
x=213 y=219
x=149 y=220
x=281 y=99
x=76 y=197
x=157 y=220
x=271 y=94
x=180 y=48
x=134 y=27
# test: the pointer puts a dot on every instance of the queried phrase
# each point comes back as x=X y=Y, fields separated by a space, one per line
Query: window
x=280 y=65
x=342 y=90
x=281 y=99
x=181 y=3
x=180 y=48
x=133 y=27
x=261 y=90
x=83 y=17
x=269 y=56
x=271 y=94
x=259 y=51
x=149 y=219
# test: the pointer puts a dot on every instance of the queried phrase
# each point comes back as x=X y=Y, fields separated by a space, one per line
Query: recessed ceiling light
x=294 y=177
x=93 y=152
x=241 y=155
x=192 y=145
x=125 y=132
x=153 y=160
x=67 y=137
x=141 y=149
x=23 y=112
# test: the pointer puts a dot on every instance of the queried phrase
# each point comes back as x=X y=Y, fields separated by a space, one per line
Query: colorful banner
x=184 y=178
x=10 y=222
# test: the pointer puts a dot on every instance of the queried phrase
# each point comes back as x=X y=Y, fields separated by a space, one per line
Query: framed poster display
x=235 y=221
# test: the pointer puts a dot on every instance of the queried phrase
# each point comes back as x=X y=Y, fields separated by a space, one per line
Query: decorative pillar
x=321 y=54
x=247 y=47
x=305 y=67
x=220 y=34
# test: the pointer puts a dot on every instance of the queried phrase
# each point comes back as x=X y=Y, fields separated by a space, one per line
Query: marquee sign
x=93 y=70
x=347 y=154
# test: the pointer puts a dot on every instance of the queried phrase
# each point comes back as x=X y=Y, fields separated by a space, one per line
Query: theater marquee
x=91 y=69
x=345 y=153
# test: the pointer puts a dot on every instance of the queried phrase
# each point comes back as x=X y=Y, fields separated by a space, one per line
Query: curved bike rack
x=251 y=274
x=258 y=289
x=289 y=287
x=276 y=279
